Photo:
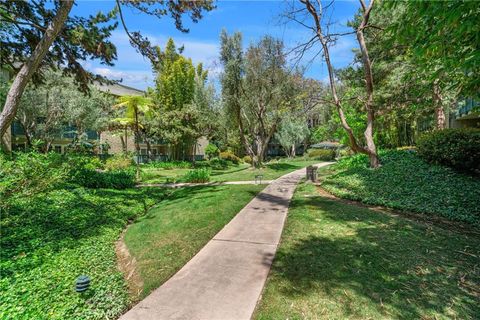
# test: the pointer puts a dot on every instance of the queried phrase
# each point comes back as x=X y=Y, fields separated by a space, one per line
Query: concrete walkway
x=193 y=184
x=225 y=279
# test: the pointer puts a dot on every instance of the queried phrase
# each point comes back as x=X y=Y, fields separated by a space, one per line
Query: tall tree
x=257 y=89
x=135 y=108
x=39 y=34
x=178 y=100
x=317 y=14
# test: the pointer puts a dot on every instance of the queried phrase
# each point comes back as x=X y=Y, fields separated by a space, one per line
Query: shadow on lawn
x=404 y=269
x=282 y=166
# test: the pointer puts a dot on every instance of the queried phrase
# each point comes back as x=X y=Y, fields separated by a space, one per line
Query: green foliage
x=321 y=154
x=197 y=175
x=114 y=179
x=211 y=151
x=247 y=159
x=425 y=26
x=291 y=133
x=456 y=148
x=48 y=240
x=218 y=163
x=229 y=156
x=406 y=182
x=119 y=162
x=83 y=37
x=29 y=174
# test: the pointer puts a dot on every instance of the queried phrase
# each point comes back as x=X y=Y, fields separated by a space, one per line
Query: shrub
x=116 y=179
x=218 y=164
x=456 y=148
x=197 y=175
x=28 y=174
x=247 y=159
x=86 y=171
x=211 y=151
x=229 y=156
x=119 y=162
x=321 y=154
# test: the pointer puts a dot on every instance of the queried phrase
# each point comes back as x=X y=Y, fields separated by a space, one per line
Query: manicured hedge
x=321 y=154
x=456 y=148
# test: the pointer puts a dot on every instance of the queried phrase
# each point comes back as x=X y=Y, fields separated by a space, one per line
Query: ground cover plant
x=343 y=261
x=406 y=182
x=49 y=239
x=177 y=228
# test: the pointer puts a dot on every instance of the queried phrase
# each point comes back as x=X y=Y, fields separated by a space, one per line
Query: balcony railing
x=67 y=132
x=466 y=106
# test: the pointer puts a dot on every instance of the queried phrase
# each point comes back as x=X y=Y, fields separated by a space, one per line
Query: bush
x=218 y=164
x=321 y=154
x=247 y=159
x=211 y=151
x=456 y=148
x=119 y=162
x=230 y=156
x=116 y=179
x=86 y=171
x=28 y=174
x=197 y=175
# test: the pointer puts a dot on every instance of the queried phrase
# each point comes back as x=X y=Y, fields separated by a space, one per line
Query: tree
x=316 y=13
x=257 y=90
x=135 y=108
x=444 y=39
x=182 y=101
x=39 y=35
x=291 y=133
x=46 y=109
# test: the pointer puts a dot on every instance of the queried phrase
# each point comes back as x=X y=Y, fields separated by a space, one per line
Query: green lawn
x=47 y=241
x=406 y=182
x=176 y=229
x=340 y=261
x=242 y=172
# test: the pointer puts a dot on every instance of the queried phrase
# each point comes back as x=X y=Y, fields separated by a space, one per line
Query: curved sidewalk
x=225 y=278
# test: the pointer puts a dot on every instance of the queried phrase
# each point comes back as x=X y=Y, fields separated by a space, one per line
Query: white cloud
x=136 y=78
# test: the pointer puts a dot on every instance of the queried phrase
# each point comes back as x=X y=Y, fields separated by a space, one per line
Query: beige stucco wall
x=115 y=142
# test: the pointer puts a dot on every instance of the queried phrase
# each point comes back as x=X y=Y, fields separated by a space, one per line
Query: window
x=154 y=151
x=143 y=151
x=57 y=149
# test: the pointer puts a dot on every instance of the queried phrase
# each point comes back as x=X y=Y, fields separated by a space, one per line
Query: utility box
x=312 y=173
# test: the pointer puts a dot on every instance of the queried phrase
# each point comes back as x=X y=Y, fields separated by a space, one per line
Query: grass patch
x=47 y=241
x=241 y=172
x=406 y=182
x=340 y=261
x=175 y=230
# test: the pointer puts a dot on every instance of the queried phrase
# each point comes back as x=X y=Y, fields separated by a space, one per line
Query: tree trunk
x=137 y=143
x=31 y=65
x=370 y=150
x=293 y=152
x=439 y=110
x=367 y=66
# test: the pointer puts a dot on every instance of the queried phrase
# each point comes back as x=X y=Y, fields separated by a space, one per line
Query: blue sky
x=253 y=18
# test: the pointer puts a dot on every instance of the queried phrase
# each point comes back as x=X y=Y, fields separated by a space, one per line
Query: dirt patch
x=128 y=266
x=427 y=220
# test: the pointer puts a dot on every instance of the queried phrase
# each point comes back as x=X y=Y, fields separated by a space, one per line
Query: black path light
x=82 y=283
